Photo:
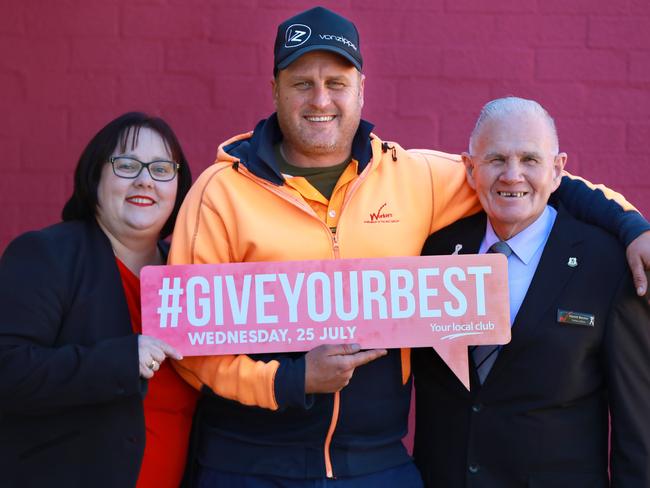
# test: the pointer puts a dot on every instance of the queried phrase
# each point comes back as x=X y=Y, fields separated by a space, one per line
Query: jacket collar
x=256 y=153
x=470 y=236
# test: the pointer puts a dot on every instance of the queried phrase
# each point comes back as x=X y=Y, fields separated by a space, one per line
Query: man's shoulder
x=235 y=148
x=433 y=155
x=467 y=232
x=391 y=148
x=445 y=167
x=229 y=156
x=213 y=173
x=586 y=231
x=598 y=242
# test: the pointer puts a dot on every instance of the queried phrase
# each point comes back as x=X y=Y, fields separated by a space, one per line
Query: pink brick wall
x=67 y=67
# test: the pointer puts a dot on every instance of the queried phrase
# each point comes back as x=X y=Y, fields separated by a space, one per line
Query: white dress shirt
x=527 y=247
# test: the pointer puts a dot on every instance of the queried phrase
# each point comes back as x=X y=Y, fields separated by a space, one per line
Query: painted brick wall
x=68 y=66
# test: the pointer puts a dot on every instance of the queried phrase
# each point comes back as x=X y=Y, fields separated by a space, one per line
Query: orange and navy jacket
x=255 y=417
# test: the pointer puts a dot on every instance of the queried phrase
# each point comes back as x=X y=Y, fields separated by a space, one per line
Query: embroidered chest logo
x=381 y=216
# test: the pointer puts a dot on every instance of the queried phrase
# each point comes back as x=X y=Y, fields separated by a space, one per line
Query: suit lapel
x=469 y=239
x=462 y=237
x=551 y=277
x=470 y=236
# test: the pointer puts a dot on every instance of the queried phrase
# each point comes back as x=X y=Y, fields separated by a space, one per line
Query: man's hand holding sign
x=329 y=368
x=331 y=308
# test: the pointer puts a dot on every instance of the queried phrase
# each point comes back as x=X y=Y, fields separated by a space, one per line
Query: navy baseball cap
x=317 y=29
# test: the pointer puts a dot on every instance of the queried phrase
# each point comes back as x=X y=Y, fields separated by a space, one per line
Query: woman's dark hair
x=82 y=205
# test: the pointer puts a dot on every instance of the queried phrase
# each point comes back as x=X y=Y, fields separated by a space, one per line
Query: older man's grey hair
x=502 y=107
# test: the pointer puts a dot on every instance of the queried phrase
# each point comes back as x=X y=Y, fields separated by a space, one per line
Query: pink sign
x=445 y=302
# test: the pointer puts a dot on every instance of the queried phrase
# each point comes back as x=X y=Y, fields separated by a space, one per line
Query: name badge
x=575 y=318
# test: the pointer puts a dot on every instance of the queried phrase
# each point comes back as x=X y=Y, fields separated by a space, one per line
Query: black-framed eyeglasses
x=129 y=167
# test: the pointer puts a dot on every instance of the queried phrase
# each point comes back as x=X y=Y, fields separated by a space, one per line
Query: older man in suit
x=538 y=411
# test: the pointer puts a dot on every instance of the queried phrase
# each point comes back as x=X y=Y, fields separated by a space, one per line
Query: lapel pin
x=573 y=262
x=457 y=249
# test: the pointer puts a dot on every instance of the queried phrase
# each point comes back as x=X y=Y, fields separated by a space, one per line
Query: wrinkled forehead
x=516 y=133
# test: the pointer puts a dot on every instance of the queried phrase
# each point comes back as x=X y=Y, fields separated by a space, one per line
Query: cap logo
x=297 y=35
x=341 y=39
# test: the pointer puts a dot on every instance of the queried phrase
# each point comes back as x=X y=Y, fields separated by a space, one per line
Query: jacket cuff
x=290 y=384
x=122 y=368
x=631 y=225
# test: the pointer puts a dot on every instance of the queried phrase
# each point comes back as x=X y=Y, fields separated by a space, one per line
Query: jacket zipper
x=335 y=243
x=329 y=470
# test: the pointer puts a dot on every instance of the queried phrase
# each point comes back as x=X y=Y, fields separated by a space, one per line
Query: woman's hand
x=151 y=353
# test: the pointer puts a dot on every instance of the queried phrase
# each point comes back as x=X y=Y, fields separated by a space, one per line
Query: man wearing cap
x=313 y=182
x=538 y=410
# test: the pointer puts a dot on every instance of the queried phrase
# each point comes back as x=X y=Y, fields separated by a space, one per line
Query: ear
x=274 y=92
x=469 y=169
x=362 y=83
x=558 y=168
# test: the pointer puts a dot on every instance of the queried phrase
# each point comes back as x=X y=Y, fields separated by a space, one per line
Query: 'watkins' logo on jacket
x=381 y=216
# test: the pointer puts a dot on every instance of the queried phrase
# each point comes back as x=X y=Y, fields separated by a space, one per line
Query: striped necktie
x=485 y=356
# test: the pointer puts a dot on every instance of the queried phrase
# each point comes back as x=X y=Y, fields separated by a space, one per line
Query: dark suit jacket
x=70 y=391
x=541 y=417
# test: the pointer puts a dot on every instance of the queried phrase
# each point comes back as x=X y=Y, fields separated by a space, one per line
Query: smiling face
x=514 y=169
x=318 y=99
x=136 y=207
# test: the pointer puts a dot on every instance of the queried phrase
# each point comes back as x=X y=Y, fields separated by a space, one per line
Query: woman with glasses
x=85 y=399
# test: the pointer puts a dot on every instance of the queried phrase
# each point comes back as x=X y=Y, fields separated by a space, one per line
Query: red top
x=168 y=408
